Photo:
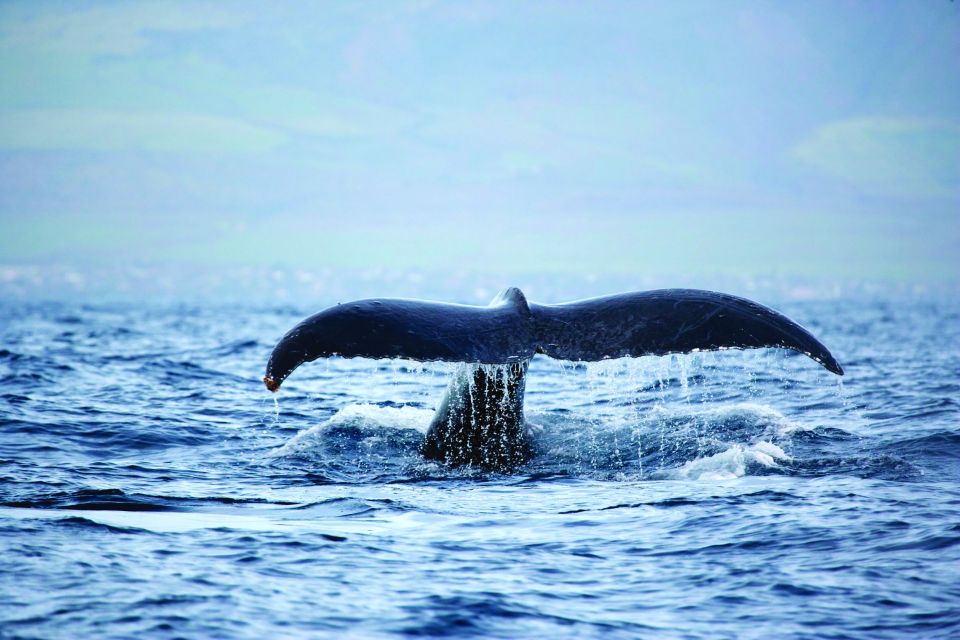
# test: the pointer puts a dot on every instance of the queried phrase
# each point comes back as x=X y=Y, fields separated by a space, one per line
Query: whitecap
x=370 y=420
x=729 y=464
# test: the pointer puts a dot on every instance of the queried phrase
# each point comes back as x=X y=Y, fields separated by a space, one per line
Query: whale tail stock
x=511 y=330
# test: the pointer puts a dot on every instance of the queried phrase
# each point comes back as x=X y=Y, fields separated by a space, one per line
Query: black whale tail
x=669 y=321
x=510 y=330
x=480 y=421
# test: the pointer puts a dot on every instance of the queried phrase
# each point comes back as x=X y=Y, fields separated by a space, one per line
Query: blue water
x=151 y=487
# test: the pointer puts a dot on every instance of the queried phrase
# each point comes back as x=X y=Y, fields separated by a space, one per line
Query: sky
x=816 y=139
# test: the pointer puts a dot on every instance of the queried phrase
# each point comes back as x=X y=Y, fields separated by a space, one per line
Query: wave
x=729 y=464
x=363 y=426
x=118 y=500
x=941 y=444
x=92 y=525
x=366 y=442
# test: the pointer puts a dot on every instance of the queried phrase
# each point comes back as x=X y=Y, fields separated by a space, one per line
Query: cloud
x=899 y=157
x=93 y=130
x=113 y=29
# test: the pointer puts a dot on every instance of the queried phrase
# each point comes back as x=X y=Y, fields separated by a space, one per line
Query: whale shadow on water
x=480 y=422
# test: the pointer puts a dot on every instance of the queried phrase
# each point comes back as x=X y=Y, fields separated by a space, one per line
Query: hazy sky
x=813 y=138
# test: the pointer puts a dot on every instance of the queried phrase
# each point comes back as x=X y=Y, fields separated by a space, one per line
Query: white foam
x=389 y=417
x=729 y=464
x=368 y=417
x=767 y=453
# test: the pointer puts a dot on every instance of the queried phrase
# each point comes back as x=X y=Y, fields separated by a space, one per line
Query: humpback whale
x=480 y=419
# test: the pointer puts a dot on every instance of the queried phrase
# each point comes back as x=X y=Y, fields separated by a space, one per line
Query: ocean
x=150 y=487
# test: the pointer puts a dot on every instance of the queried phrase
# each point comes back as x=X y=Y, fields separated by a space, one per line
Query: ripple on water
x=149 y=487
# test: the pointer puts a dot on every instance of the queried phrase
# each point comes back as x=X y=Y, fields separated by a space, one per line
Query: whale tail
x=480 y=420
x=669 y=321
x=511 y=330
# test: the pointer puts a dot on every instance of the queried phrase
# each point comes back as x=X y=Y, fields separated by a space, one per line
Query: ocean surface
x=150 y=487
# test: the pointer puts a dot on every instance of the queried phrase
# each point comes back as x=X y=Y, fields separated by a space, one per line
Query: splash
x=371 y=425
x=637 y=418
x=728 y=465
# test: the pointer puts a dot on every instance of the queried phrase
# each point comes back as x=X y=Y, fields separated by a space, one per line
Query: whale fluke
x=511 y=330
x=668 y=321
x=499 y=333
x=480 y=421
